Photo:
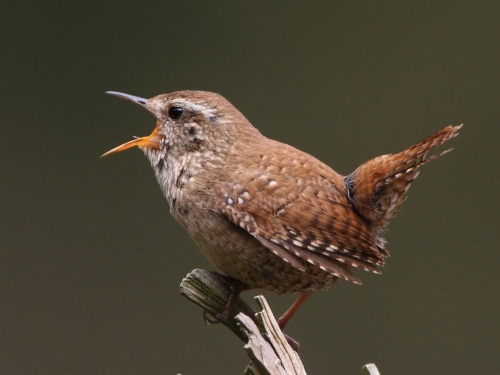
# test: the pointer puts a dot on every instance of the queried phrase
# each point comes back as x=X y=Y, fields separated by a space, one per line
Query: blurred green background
x=90 y=260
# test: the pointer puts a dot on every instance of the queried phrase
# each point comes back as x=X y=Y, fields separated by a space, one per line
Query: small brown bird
x=268 y=215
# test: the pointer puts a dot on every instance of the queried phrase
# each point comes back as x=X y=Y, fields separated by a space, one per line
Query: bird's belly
x=239 y=255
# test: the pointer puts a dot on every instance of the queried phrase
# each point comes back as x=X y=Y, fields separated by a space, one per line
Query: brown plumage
x=378 y=187
x=264 y=212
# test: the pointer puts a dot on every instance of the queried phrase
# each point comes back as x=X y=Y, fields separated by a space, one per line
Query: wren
x=264 y=213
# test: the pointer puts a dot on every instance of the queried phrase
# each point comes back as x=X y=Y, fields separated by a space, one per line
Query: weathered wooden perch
x=268 y=348
x=207 y=291
x=265 y=344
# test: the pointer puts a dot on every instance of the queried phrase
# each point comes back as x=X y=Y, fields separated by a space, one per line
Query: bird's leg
x=283 y=320
x=235 y=287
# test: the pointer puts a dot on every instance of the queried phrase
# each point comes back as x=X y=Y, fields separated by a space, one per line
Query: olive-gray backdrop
x=90 y=260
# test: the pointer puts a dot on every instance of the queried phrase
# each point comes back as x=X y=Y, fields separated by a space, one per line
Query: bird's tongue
x=150 y=141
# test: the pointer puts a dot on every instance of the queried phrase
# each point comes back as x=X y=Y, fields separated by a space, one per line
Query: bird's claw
x=219 y=318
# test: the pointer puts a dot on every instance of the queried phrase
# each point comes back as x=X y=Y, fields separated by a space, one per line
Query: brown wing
x=298 y=208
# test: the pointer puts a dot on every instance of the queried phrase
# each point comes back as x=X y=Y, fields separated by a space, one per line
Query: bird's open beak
x=148 y=141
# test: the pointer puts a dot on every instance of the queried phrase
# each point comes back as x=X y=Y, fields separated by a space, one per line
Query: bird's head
x=188 y=121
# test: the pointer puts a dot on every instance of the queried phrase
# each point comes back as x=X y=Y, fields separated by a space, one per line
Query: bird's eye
x=175 y=112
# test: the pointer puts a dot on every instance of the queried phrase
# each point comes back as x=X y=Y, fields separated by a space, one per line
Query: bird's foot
x=294 y=344
x=236 y=287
